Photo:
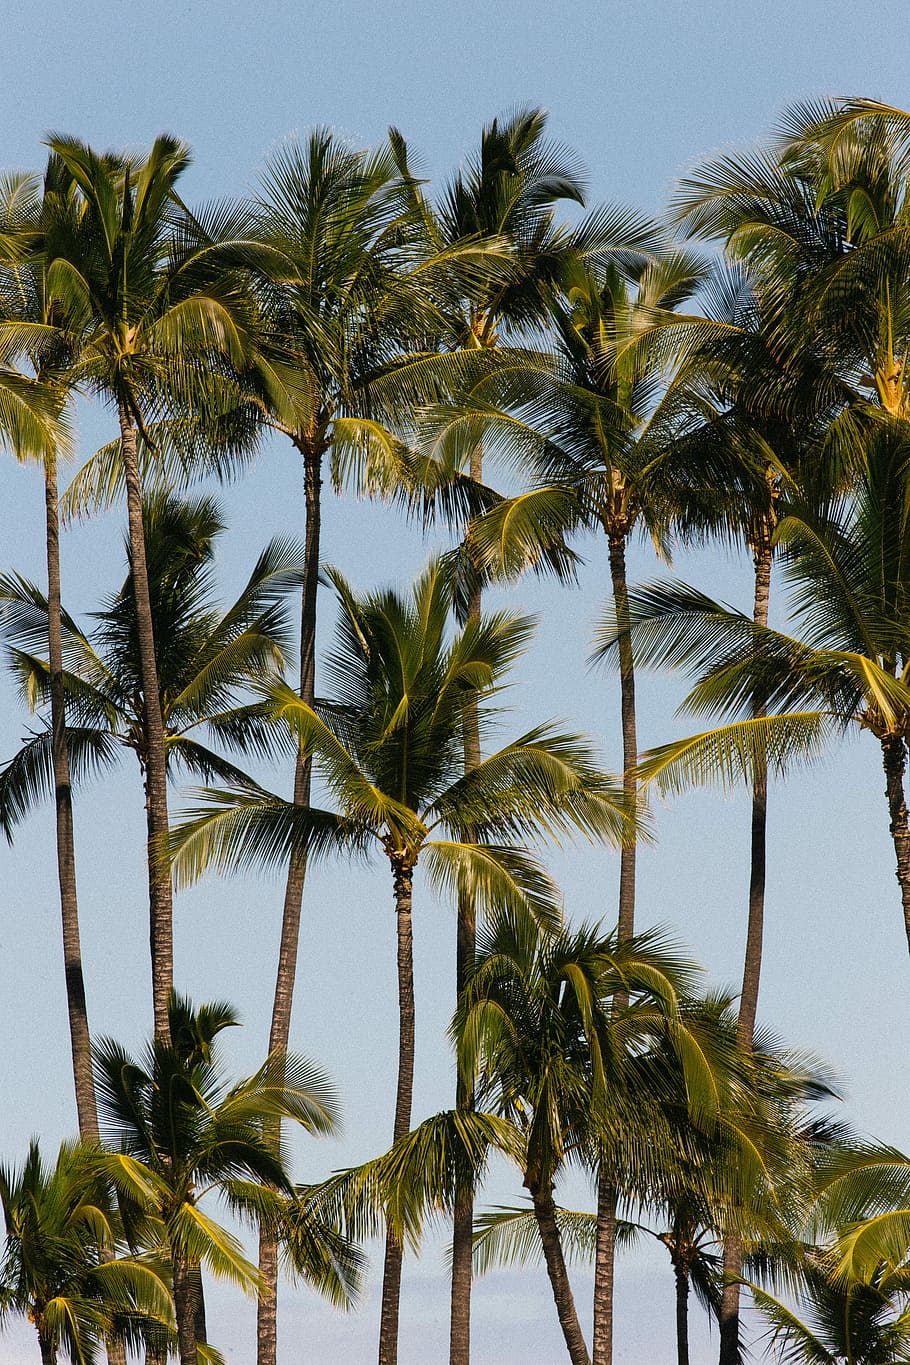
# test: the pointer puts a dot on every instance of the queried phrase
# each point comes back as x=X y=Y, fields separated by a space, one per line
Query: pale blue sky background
x=642 y=91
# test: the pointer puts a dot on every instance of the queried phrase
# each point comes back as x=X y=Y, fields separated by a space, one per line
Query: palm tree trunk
x=626 y=919
x=545 y=1214
x=80 y=1043
x=403 y=873
x=185 y=1310
x=730 y=1353
x=682 y=1314
x=200 y=1328
x=894 y=756
x=465 y=949
x=280 y=1030
x=47 y=1348
x=605 y=1253
x=604 y=1269
x=161 y=931
x=748 y=1000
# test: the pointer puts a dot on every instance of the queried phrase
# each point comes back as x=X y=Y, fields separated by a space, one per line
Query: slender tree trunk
x=894 y=756
x=47 y=1348
x=748 y=1000
x=545 y=1214
x=200 y=1329
x=279 y=1033
x=185 y=1310
x=403 y=873
x=626 y=918
x=730 y=1352
x=66 y=853
x=682 y=1314
x=161 y=932
x=466 y=947
x=604 y=1269
x=605 y=1253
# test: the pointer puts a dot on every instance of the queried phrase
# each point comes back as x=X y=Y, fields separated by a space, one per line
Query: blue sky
x=642 y=91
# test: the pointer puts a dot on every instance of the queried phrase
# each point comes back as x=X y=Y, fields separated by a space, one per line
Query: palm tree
x=344 y=302
x=598 y=445
x=847 y=667
x=854 y=1323
x=506 y=194
x=180 y=1131
x=577 y=1073
x=154 y=324
x=30 y=217
x=206 y=657
x=389 y=748
x=59 y=1266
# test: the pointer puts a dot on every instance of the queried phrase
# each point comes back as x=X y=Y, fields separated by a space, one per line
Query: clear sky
x=642 y=91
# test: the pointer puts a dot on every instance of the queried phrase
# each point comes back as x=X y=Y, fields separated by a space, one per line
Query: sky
x=643 y=92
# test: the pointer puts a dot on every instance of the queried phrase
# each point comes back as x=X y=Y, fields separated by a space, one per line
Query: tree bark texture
x=748 y=1000
x=280 y=1030
x=403 y=874
x=605 y=1258
x=682 y=1314
x=730 y=1352
x=604 y=1270
x=161 y=931
x=80 y=1043
x=465 y=949
x=626 y=918
x=47 y=1348
x=185 y=1310
x=545 y=1214
x=894 y=757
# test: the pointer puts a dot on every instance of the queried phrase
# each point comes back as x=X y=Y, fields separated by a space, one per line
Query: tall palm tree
x=59 y=1265
x=344 y=305
x=507 y=193
x=29 y=216
x=574 y=1071
x=594 y=432
x=181 y=1130
x=155 y=324
x=846 y=667
x=206 y=658
x=389 y=748
x=795 y=214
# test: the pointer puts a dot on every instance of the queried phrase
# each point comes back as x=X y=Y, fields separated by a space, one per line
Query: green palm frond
x=732 y=754
x=248 y=827
x=502 y=880
x=510 y=1236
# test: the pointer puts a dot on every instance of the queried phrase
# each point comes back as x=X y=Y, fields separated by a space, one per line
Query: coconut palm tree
x=846 y=666
x=389 y=748
x=864 y=1323
x=345 y=305
x=595 y=434
x=59 y=1265
x=207 y=656
x=155 y=326
x=575 y=1071
x=508 y=194
x=30 y=215
x=181 y=1130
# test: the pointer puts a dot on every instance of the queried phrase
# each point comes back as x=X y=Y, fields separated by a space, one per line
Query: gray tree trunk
x=279 y=1033
x=730 y=1349
x=403 y=874
x=161 y=931
x=545 y=1214
x=80 y=1042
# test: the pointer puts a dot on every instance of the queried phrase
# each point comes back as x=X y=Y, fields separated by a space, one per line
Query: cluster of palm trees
x=502 y=361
